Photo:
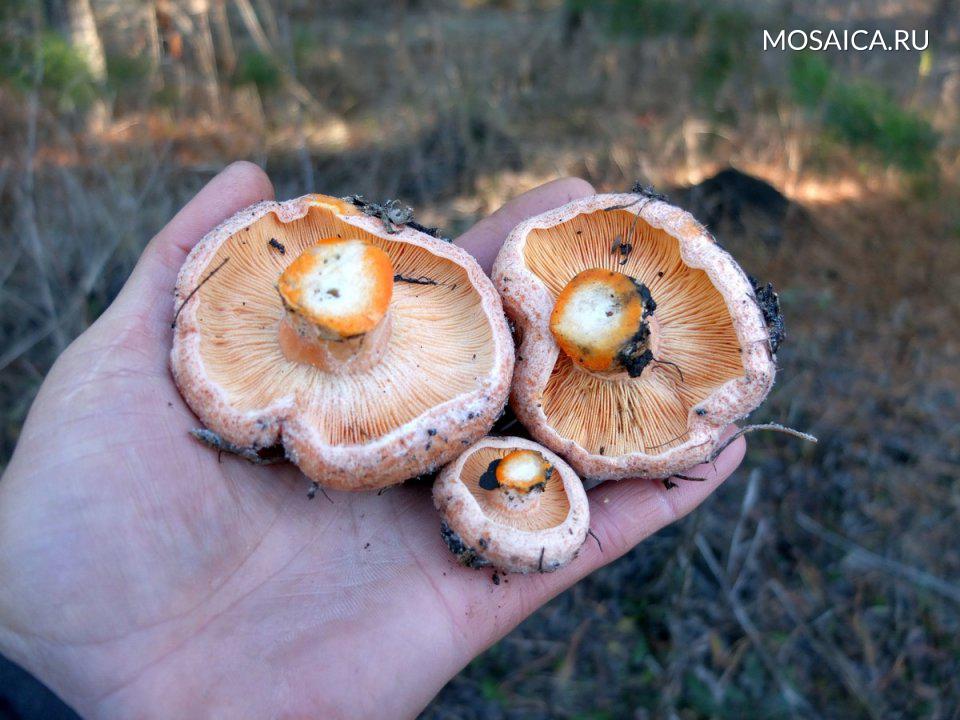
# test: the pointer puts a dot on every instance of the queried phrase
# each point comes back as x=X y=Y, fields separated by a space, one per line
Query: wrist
x=26 y=636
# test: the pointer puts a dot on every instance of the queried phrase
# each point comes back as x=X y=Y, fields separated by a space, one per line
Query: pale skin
x=143 y=576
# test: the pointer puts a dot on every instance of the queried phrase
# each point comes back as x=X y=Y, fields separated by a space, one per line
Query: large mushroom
x=512 y=504
x=640 y=338
x=330 y=332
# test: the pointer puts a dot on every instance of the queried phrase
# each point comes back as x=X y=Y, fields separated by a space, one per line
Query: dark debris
x=648 y=191
x=769 y=303
x=488 y=481
x=466 y=555
x=422 y=280
x=258 y=456
x=393 y=214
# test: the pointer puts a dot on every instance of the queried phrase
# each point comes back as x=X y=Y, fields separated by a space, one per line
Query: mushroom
x=512 y=504
x=364 y=351
x=640 y=338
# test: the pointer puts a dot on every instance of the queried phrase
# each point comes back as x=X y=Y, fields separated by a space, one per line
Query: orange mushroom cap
x=426 y=376
x=640 y=338
x=513 y=504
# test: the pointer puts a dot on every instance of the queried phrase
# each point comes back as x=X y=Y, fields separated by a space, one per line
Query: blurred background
x=820 y=580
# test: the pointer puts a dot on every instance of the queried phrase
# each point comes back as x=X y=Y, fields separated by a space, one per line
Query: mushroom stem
x=354 y=354
x=604 y=322
x=517 y=480
x=336 y=297
x=511 y=499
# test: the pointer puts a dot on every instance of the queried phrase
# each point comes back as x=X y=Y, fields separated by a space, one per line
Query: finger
x=622 y=514
x=626 y=512
x=484 y=239
x=149 y=291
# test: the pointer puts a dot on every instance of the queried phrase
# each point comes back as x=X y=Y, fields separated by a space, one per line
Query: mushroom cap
x=537 y=530
x=713 y=364
x=440 y=384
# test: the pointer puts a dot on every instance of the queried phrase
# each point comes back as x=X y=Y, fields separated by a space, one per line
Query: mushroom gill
x=696 y=349
x=540 y=508
x=439 y=343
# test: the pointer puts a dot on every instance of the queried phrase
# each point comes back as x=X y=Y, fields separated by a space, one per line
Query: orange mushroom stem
x=517 y=478
x=603 y=320
x=336 y=297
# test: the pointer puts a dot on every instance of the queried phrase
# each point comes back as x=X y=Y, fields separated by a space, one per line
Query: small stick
x=629 y=204
x=194 y=291
x=540 y=564
x=625 y=246
x=667 y=442
x=250 y=454
x=592 y=534
x=633 y=227
x=509 y=425
x=422 y=280
x=777 y=427
x=622 y=207
x=312 y=492
x=667 y=362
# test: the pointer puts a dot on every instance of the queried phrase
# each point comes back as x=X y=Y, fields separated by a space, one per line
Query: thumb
x=147 y=296
x=484 y=239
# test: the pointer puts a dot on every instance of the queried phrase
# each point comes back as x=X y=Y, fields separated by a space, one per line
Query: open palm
x=142 y=575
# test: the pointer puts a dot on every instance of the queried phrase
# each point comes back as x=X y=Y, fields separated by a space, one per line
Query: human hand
x=141 y=575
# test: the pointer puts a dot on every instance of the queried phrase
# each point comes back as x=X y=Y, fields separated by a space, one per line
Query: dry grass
x=821 y=581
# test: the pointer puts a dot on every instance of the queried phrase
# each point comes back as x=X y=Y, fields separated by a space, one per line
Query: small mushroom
x=512 y=504
x=641 y=339
x=298 y=326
